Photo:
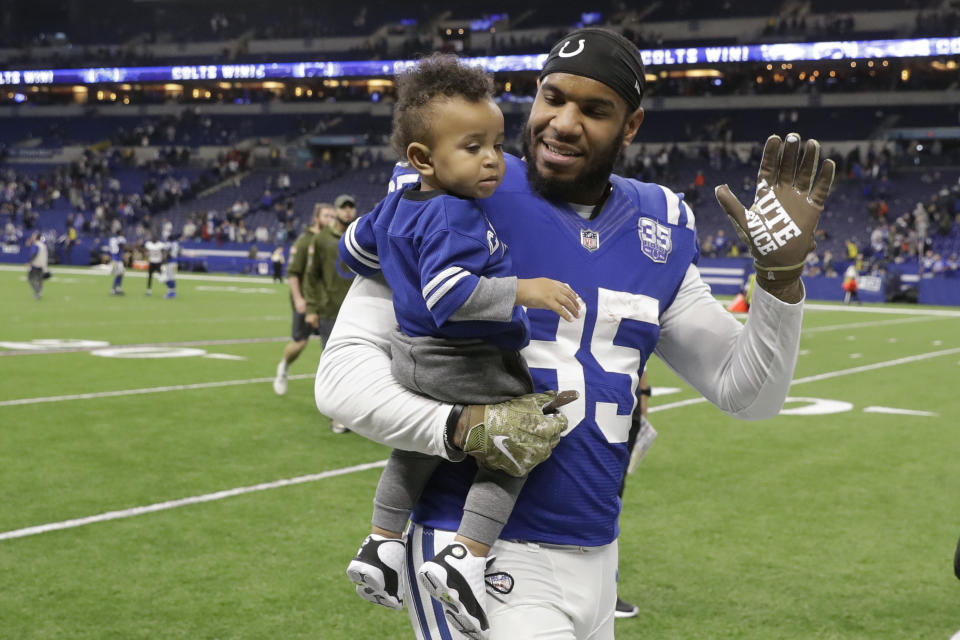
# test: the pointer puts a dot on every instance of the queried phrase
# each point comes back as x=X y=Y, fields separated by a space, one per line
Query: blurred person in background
x=299 y=254
x=327 y=213
x=327 y=279
x=345 y=205
x=277 y=260
x=169 y=272
x=38 y=259
x=850 y=286
x=116 y=246
x=154 y=249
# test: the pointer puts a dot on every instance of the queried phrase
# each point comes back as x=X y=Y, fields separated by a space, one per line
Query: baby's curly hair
x=438 y=75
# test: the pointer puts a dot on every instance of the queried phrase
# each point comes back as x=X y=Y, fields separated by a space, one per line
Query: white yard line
x=887 y=310
x=233 y=289
x=864 y=325
x=219 y=495
x=676 y=405
x=105 y=273
x=138 y=392
x=259 y=280
x=826 y=376
x=901 y=412
x=191 y=343
x=877 y=365
x=70 y=326
x=183 y=502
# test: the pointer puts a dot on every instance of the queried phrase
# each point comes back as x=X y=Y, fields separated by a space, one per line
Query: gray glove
x=517 y=435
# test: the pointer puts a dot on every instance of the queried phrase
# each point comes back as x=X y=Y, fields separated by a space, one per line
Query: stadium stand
x=245 y=161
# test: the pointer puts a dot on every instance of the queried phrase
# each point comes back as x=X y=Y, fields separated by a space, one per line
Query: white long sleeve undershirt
x=745 y=370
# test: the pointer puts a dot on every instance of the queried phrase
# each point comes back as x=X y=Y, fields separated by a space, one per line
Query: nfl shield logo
x=589 y=240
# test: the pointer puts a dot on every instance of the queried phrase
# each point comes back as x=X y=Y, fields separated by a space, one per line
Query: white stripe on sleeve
x=691 y=221
x=363 y=257
x=440 y=277
x=444 y=288
x=673 y=205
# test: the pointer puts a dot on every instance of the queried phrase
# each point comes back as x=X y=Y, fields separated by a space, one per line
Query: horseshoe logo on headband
x=563 y=50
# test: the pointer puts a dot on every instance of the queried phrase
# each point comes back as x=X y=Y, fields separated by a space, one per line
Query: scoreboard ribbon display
x=777 y=52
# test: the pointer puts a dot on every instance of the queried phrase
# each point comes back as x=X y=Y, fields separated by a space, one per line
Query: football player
x=629 y=250
x=116 y=246
x=169 y=272
x=37 y=259
x=154 y=249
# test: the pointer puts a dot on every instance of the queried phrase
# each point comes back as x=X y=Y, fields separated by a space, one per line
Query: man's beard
x=593 y=177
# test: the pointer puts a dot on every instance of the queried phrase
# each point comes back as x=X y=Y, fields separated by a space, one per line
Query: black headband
x=604 y=56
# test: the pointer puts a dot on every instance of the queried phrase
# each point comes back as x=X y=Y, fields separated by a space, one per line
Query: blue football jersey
x=433 y=248
x=173 y=251
x=627 y=265
x=117 y=244
x=403 y=175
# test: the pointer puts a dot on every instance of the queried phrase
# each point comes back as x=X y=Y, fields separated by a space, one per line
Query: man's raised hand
x=779 y=226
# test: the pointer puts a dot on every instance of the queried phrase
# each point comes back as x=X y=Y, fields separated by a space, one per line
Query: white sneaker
x=338 y=427
x=280 y=382
x=625 y=609
x=455 y=578
x=377 y=569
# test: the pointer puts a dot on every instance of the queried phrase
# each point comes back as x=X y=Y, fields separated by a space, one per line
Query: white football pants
x=534 y=592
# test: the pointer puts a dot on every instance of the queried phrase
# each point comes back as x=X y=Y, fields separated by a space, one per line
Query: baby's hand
x=544 y=293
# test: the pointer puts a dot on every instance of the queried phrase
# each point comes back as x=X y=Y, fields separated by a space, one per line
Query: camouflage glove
x=517 y=435
x=779 y=227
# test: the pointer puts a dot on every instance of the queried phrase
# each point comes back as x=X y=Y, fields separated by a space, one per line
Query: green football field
x=178 y=497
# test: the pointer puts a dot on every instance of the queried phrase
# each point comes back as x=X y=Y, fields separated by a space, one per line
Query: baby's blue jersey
x=433 y=248
x=627 y=265
x=403 y=175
